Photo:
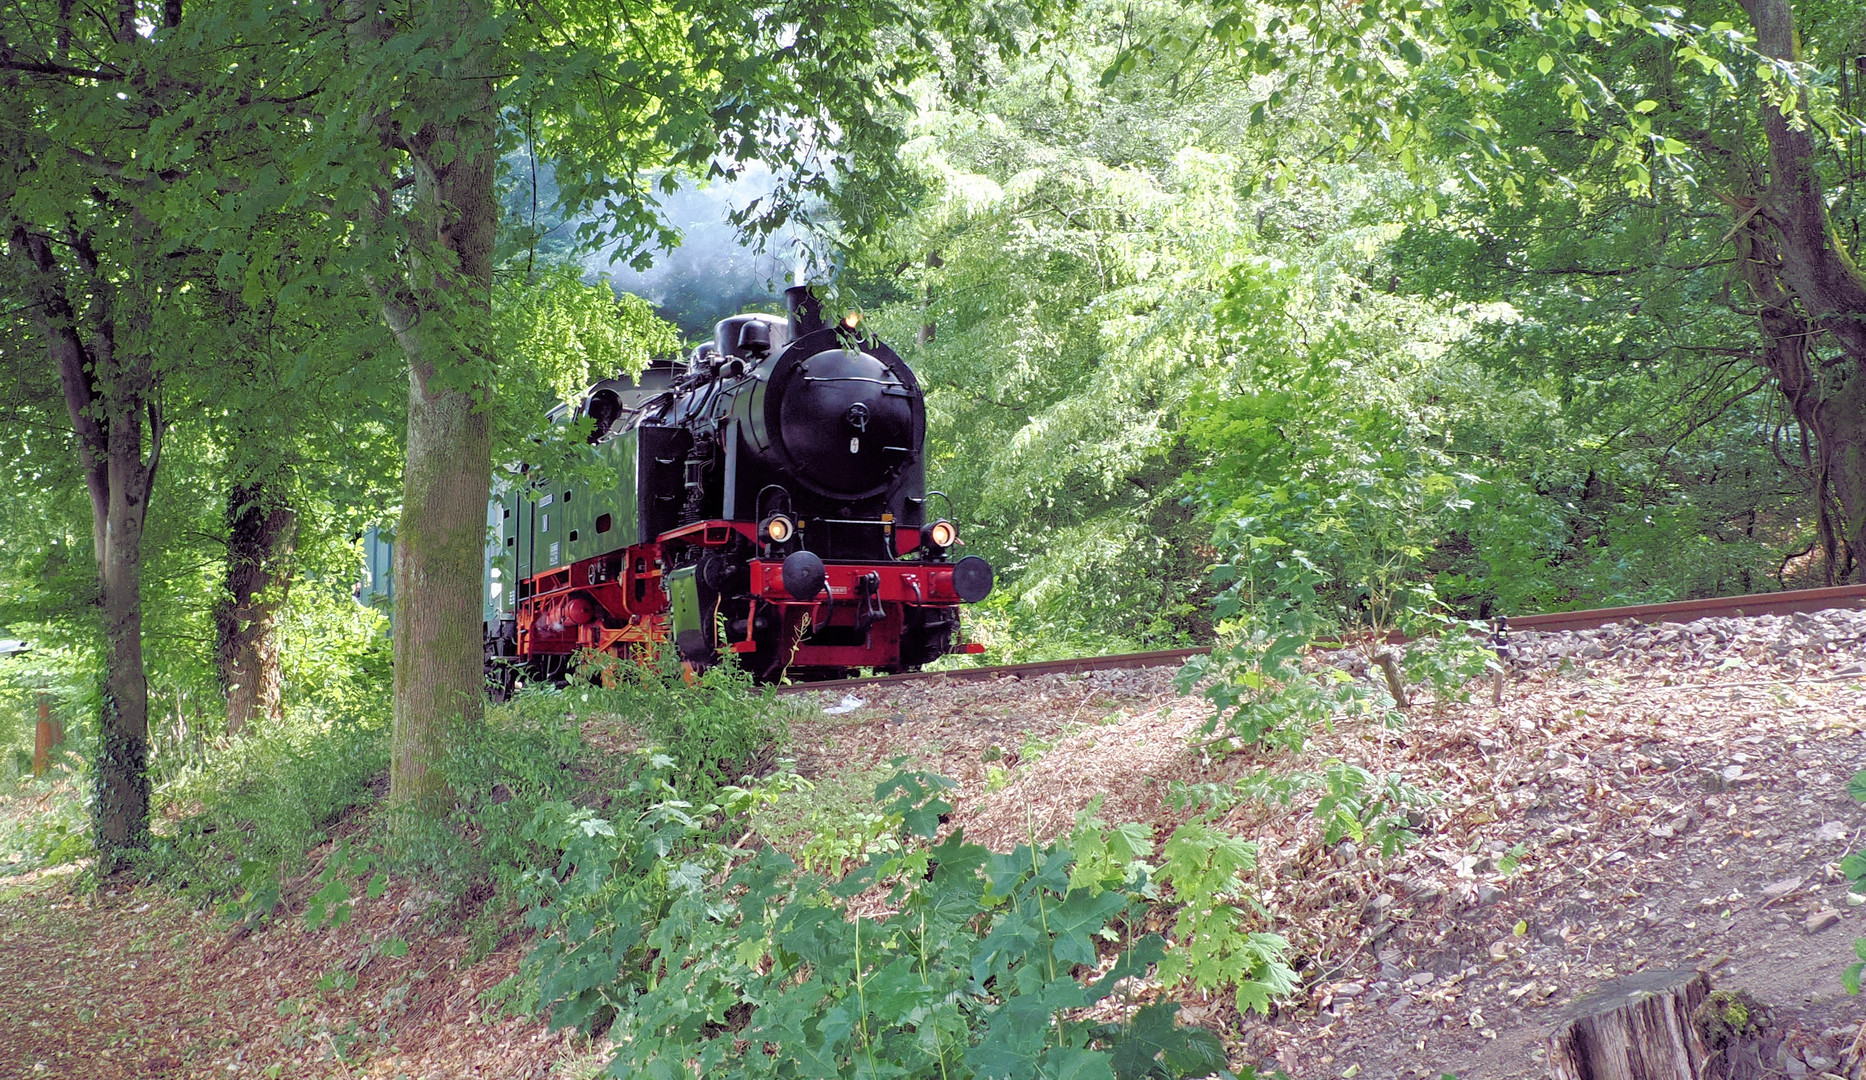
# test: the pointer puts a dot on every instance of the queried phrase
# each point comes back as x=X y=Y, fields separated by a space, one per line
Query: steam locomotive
x=766 y=499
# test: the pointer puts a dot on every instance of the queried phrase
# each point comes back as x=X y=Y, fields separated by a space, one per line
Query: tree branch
x=8 y=62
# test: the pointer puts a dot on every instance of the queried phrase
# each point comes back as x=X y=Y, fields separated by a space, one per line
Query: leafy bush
x=1854 y=867
x=1272 y=608
x=332 y=903
x=1256 y=682
x=813 y=821
x=529 y=751
x=717 y=727
x=1447 y=656
x=1203 y=865
x=1354 y=804
x=39 y=828
x=1358 y=805
x=708 y=966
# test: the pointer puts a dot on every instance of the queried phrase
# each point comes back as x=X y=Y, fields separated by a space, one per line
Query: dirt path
x=96 y=987
x=124 y=985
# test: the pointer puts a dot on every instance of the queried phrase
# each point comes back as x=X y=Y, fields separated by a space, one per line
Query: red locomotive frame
x=616 y=603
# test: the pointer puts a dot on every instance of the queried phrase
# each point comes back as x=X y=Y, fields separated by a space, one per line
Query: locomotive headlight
x=941 y=534
x=778 y=528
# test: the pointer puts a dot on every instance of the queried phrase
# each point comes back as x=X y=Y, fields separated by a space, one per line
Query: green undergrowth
x=931 y=956
x=828 y=823
x=1854 y=867
x=717 y=728
x=243 y=818
x=242 y=822
x=701 y=910
x=43 y=823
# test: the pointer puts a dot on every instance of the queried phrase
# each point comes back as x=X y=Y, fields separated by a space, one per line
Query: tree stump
x=1637 y=1028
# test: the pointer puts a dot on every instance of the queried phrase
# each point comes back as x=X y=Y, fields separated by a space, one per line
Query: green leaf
x=1201 y=1053
x=1115 y=69
x=1850 y=978
x=1646 y=106
x=1075 y=922
x=396 y=947
x=1856 y=787
x=1255 y=995
x=1546 y=64
x=1015 y=1038
x=1153 y=1038
x=1074 y=1063
x=377 y=885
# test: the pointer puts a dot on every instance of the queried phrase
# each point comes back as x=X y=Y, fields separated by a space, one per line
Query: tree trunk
x=1843 y=423
x=439 y=547
x=123 y=737
x=261 y=533
x=438 y=304
x=109 y=393
x=1641 y=1027
x=1827 y=286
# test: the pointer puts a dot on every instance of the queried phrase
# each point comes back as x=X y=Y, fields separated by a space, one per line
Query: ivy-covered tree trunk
x=261 y=534
x=1829 y=291
x=109 y=394
x=443 y=214
x=122 y=809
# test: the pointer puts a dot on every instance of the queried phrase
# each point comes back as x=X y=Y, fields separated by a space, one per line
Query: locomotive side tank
x=767 y=499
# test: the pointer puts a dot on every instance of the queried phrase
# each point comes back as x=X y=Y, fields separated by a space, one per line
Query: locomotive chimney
x=806 y=311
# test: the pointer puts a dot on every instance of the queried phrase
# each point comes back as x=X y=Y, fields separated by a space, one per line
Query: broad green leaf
x=1075 y=921
x=1153 y=1035
x=1075 y=1063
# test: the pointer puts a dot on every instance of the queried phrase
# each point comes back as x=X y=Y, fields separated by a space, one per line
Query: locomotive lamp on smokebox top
x=767 y=498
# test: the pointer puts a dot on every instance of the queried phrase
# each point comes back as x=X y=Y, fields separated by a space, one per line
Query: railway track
x=1850 y=597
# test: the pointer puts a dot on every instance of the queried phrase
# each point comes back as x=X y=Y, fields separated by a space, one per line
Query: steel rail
x=1157 y=658
x=1839 y=597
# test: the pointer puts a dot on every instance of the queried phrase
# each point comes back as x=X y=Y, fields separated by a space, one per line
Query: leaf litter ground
x=126 y=984
x=1631 y=803
x=1634 y=801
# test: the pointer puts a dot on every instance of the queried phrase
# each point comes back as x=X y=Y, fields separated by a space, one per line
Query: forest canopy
x=1498 y=303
